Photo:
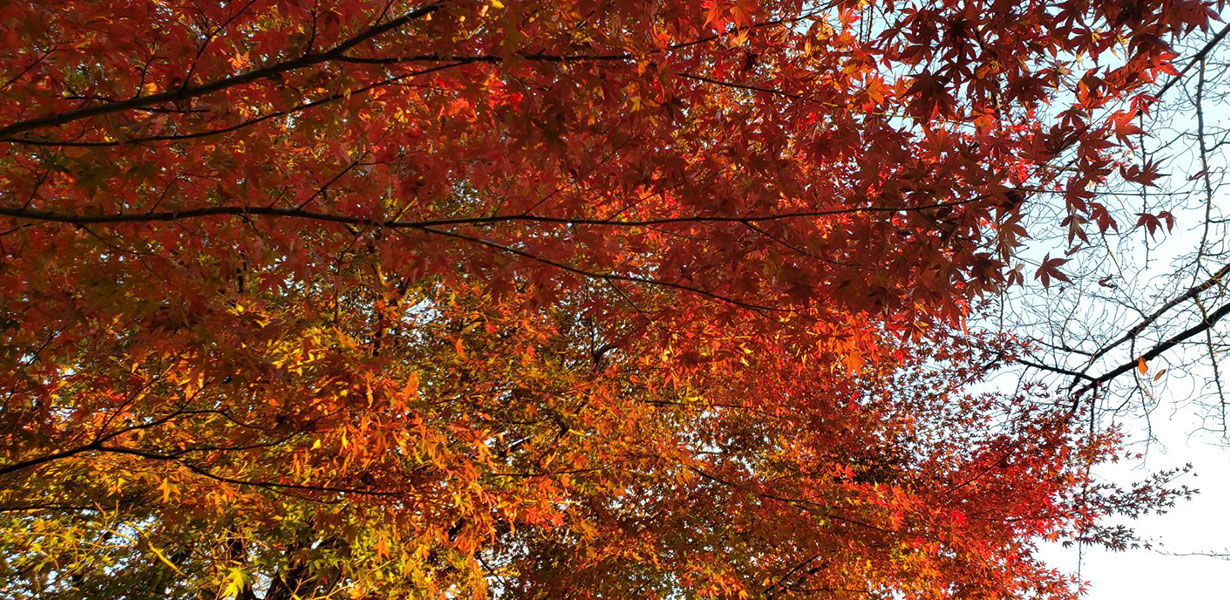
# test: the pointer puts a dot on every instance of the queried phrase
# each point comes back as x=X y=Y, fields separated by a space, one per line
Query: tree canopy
x=590 y=299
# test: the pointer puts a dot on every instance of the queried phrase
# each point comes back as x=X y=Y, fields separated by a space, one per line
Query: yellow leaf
x=316 y=444
x=234 y=583
x=412 y=386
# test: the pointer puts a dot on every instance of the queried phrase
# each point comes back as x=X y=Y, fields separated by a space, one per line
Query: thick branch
x=1189 y=294
x=1157 y=350
x=187 y=92
x=178 y=137
x=268 y=211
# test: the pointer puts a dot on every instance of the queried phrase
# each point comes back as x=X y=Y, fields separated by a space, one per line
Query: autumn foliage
x=548 y=299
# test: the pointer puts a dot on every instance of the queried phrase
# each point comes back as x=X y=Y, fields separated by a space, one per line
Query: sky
x=1171 y=569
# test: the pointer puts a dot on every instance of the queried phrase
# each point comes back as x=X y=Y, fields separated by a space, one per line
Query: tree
x=1143 y=310
x=542 y=299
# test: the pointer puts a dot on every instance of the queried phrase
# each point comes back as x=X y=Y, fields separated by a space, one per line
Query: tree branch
x=1199 y=56
x=1156 y=351
x=268 y=211
x=186 y=92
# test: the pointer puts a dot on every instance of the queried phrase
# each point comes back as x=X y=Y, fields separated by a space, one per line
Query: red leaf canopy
x=539 y=299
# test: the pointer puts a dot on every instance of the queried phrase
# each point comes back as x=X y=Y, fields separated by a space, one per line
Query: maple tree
x=545 y=299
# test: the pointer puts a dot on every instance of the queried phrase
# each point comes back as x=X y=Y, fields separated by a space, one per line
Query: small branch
x=1049 y=368
x=1199 y=56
